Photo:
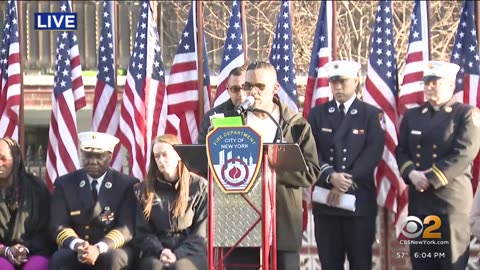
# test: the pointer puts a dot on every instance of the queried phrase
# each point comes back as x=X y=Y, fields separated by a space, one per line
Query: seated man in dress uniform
x=93 y=210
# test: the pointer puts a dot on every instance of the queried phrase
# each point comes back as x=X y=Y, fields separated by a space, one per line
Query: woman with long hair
x=172 y=212
x=24 y=213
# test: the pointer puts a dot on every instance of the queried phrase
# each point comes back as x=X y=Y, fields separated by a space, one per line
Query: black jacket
x=28 y=225
x=445 y=141
x=185 y=236
x=226 y=108
x=354 y=145
x=74 y=213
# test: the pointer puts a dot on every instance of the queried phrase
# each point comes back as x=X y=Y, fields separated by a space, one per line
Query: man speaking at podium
x=261 y=84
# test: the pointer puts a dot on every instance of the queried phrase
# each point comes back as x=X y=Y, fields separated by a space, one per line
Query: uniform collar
x=99 y=180
x=347 y=103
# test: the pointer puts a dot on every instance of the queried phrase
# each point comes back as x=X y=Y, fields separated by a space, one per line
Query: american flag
x=281 y=57
x=182 y=89
x=232 y=53
x=68 y=97
x=381 y=91
x=10 y=74
x=105 y=114
x=411 y=93
x=465 y=54
x=143 y=111
x=318 y=88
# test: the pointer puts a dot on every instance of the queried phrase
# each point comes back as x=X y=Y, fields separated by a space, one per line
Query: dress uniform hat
x=439 y=69
x=91 y=141
x=342 y=69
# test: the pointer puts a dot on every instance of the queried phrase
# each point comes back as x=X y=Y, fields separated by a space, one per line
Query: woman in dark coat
x=172 y=212
x=24 y=213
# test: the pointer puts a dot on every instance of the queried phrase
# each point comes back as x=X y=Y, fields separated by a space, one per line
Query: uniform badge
x=331 y=109
x=381 y=119
x=353 y=112
x=425 y=110
x=108 y=185
x=107 y=216
x=448 y=109
x=476 y=117
x=82 y=183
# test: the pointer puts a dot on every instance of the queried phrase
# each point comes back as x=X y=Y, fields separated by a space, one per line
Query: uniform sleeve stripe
x=324 y=168
x=440 y=175
x=405 y=166
x=116 y=237
x=64 y=235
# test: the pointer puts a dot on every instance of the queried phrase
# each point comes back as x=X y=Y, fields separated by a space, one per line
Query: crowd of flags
x=152 y=106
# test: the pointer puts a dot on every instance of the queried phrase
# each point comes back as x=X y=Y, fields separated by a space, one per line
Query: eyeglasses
x=249 y=86
x=235 y=88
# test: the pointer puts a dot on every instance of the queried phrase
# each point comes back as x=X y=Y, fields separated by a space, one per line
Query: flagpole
x=477 y=21
x=199 y=18
x=115 y=46
x=244 y=31
x=428 y=30
x=21 y=122
x=334 y=30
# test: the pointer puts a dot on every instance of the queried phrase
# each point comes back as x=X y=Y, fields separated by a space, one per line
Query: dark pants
x=115 y=259
x=190 y=263
x=340 y=235
x=449 y=252
x=286 y=260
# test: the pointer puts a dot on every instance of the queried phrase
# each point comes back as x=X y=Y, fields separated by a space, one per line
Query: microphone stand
x=278 y=137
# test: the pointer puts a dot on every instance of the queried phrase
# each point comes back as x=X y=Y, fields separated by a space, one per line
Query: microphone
x=243 y=107
x=278 y=137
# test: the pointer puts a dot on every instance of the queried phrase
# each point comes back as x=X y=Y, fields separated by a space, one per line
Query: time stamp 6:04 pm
x=420 y=255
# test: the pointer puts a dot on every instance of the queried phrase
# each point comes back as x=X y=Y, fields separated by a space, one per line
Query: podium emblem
x=234 y=157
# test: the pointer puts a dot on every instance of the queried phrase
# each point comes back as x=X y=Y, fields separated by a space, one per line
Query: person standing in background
x=437 y=144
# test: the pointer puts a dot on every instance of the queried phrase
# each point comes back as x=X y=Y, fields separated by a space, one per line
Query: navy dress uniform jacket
x=355 y=146
x=447 y=142
x=75 y=214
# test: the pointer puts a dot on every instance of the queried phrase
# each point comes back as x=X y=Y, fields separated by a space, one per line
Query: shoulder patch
x=381 y=119
x=476 y=117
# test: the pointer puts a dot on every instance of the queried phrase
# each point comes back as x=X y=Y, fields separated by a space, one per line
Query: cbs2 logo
x=412 y=227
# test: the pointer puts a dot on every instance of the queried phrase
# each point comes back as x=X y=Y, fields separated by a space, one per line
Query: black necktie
x=341 y=109
x=94 y=190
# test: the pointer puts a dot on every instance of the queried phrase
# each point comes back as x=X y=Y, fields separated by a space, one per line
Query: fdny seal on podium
x=234 y=157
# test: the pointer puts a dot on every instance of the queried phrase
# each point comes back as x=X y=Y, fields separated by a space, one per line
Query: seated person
x=24 y=213
x=93 y=211
x=172 y=212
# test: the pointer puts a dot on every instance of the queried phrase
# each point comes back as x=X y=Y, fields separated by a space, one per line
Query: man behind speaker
x=237 y=95
x=261 y=83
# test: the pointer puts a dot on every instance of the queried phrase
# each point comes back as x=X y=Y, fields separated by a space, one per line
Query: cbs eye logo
x=413 y=227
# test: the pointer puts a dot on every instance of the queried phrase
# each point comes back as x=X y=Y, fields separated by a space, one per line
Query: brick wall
x=40 y=97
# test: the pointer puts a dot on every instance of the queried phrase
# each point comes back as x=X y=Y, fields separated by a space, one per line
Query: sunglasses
x=249 y=86
x=235 y=88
